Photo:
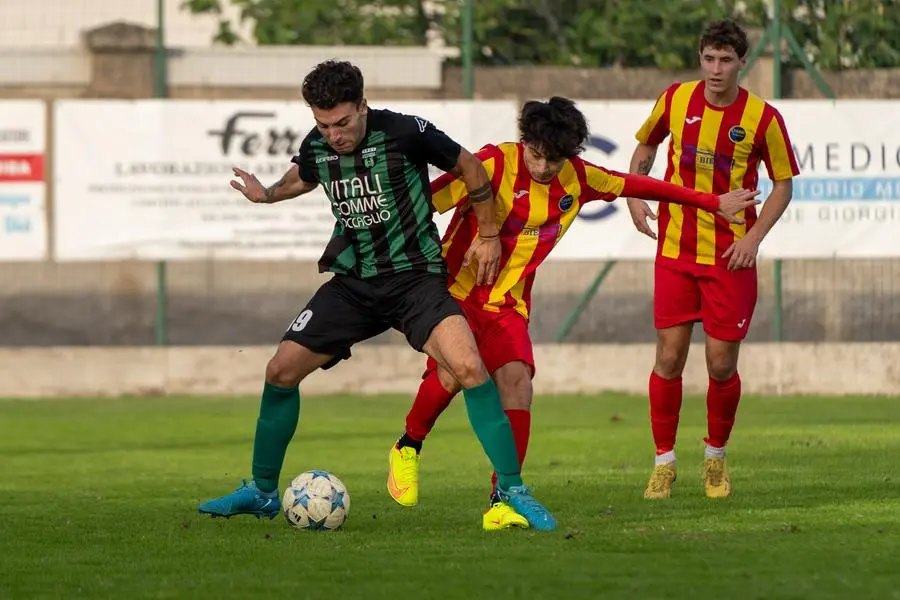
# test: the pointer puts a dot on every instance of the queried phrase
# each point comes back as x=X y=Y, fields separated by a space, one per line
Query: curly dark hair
x=556 y=127
x=331 y=83
x=725 y=33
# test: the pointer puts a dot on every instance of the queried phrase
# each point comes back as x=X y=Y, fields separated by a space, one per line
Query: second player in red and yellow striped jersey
x=713 y=149
x=533 y=217
x=705 y=270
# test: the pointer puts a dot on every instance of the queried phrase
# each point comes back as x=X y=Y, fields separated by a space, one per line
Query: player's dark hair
x=556 y=127
x=723 y=34
x=331 y=83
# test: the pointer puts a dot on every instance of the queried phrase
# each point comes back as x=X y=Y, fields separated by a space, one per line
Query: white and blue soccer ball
x=316 y=500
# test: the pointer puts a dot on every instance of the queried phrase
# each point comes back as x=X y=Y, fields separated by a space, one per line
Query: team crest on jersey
x=737 y=134
x=369 y=161
x=566 y=202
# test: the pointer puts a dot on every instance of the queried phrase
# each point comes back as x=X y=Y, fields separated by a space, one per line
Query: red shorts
x=502 y=338
x=687 y=292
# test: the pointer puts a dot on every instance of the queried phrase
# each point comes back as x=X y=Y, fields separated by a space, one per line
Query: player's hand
x=249 y=186
x=732 y=203
x=742 y=253
x=486 y=252
x=640 y=212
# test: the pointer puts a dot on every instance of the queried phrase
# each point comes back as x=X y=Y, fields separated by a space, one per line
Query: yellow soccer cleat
x=403 y=475
x=660 y=484
x=502 y=516
x=715 y=478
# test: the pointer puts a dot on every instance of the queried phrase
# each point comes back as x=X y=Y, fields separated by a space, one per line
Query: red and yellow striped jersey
x=532 y=218
x=713 y=149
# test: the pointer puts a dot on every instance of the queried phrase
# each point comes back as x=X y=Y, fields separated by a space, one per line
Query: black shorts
x=347 y=310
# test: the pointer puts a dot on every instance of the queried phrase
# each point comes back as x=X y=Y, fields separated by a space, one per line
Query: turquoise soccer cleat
x=246 y=500
x=521 y=500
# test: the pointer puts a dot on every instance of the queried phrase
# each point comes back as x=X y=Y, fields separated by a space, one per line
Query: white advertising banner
x=846 y=201
x=149 y=180
x=23 y=139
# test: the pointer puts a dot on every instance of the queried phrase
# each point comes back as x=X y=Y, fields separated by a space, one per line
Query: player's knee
x=469 y=371
x=517 y=397
x=721 y=368
x=514 y=385
x=721 y=359
x=669 y=362
x=282 y=372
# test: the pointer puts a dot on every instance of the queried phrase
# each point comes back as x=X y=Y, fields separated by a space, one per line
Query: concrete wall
x=823 y=369
x=61 y=23
x=116 y=60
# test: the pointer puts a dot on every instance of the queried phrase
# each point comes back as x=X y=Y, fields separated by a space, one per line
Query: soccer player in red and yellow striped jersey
x=720 y=134
x=540 y=184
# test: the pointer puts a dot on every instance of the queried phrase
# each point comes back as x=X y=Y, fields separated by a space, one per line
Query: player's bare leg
x=453 y=346
x=722 y=400
x=278 y=415
x=514 y=384
x=672 y=347
x=292 y=363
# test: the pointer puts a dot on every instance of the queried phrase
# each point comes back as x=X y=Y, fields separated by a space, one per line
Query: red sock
x=520 y=420
x=722 y=400
x=431 y=400
x=665 y=406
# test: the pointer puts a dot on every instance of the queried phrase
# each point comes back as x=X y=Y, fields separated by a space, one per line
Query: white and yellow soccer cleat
x=403 y=475
x=715 y=478
x=661 y=480
x=502 y=516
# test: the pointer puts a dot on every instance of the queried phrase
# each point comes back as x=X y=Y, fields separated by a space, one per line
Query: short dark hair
x=556 y=127
x=725 y=33
x=331 y=83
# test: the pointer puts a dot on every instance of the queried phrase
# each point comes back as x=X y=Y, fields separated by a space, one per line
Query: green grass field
x=100 y=497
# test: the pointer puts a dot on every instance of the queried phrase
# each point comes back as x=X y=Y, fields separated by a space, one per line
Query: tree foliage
x=838 y=34
x=651 y=33
x=322 y=22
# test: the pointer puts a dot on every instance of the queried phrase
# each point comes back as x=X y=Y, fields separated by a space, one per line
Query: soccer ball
x=316 y=500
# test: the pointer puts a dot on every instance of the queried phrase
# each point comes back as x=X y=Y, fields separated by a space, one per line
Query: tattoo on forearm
x=645 y=165
x=482 y=194
x=270 y=191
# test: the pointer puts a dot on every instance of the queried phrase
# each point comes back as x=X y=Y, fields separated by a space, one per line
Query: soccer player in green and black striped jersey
x=385 y=254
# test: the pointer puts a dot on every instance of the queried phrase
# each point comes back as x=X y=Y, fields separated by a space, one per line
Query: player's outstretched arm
x=727 y=205
x=486 y=247
x=641 y=163
x=289 y=186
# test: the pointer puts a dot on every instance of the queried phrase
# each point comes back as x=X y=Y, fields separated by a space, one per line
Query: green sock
x=279 y=412
x=492 y=427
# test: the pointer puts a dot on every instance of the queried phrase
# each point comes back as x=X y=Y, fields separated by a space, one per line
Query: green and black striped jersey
x=381 y=195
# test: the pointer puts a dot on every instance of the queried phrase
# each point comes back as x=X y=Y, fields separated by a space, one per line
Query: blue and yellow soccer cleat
x=716 y=479
x=502 y=516
x=520 y=500
x=403 y=475
x=246 y=500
